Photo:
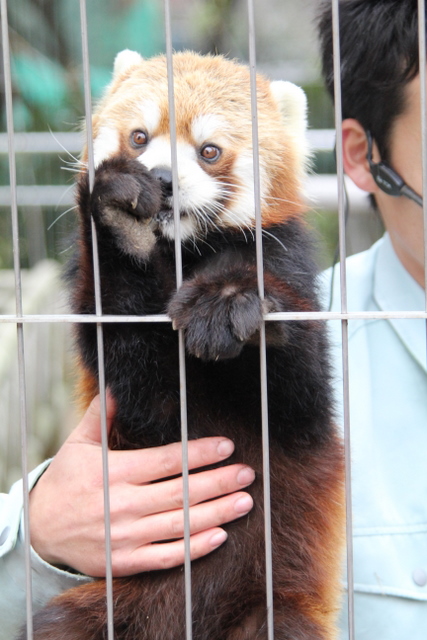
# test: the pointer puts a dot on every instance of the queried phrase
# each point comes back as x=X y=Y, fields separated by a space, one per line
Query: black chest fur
x=219 y=309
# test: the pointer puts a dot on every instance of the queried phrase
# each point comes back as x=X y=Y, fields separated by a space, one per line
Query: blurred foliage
x=325 y=228
x=320 y=111
x=46 y=53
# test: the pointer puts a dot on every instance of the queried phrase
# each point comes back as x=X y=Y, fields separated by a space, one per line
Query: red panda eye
x=138 y=139
x=210 y=153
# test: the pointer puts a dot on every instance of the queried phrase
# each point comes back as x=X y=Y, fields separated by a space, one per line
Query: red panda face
x=213 y=139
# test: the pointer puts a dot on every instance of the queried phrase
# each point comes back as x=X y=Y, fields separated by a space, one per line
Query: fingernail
x=225 y=448
x=243 y=505
x=245 y=476
x=218 y=538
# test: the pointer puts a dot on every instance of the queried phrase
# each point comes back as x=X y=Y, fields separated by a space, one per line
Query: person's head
x=381 y=94
x=379 y=56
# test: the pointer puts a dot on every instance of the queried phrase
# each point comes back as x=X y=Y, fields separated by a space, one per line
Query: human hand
x=67 y=503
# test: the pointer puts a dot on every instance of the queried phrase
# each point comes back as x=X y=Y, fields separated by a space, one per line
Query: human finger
x=88 y=431
x=170 y=525
x=205 y=485
x=145 y=465
x=166 y=555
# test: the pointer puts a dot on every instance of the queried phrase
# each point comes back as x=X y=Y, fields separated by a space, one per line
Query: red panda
x=220 y=312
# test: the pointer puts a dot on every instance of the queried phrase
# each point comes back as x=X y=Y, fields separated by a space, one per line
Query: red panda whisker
x=61 y=253
x=285 y=200
x=208 y=245
x=77 y=161
x=241 y=225
x=60 y=216
x=271 y=235
x=71 y=169
x=202 y=219
x=208 y=212
x=195 y=247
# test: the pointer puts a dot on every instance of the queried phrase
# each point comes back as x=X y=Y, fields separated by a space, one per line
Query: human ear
x=355 y=151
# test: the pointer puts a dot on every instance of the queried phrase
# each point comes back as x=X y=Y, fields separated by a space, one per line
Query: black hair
x=379 y=56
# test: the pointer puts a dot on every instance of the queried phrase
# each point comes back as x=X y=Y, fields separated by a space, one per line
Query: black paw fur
x=218 y=320
x=123 y=184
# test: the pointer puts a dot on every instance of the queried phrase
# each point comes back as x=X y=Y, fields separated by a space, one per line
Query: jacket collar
x=395 y=290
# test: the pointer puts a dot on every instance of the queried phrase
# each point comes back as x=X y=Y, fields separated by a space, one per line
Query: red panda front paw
x=122 y=185
x=218 y=320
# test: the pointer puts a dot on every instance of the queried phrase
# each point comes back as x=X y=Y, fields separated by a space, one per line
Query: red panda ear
x=292 y=103
x=125 y=60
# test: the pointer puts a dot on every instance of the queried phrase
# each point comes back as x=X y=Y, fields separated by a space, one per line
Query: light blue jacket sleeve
x=47 y=580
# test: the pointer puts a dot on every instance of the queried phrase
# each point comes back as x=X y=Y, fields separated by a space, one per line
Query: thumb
x=89 y=429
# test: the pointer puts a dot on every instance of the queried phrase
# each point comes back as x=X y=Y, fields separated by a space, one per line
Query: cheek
x=197 y=189
x=403 y=220
x=410 y=166
x=406 y=150
x=241 y=210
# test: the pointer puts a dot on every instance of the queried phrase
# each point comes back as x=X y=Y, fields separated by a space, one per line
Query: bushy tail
x=78 y=614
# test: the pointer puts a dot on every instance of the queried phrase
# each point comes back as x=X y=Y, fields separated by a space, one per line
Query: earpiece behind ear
x=387 y=179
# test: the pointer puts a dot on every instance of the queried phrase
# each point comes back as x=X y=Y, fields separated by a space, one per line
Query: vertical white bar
x=344 y=323
x=181 y=344
x=20 y=326
x=263 y=358
x=99 y=329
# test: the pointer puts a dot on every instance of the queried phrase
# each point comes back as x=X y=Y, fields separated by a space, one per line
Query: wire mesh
x=20 y=319
x=263 y=353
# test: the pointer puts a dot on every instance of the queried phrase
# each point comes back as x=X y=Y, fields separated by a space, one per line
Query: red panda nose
x=164 y=176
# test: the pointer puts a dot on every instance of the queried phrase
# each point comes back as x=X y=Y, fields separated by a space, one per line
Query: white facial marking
x=106 y=144
x=207 y=127
x=196 y=187
x=242 y=209
x=187 y=227
x=198 y=191
x=157 y=153
x=150 y=115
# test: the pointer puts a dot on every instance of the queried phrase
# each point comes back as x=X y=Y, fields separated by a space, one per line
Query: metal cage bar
x=181 y=344
x=19 y=313
x=20 y=318
x=344 y=321
x=99 y=329
x=262 y=346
